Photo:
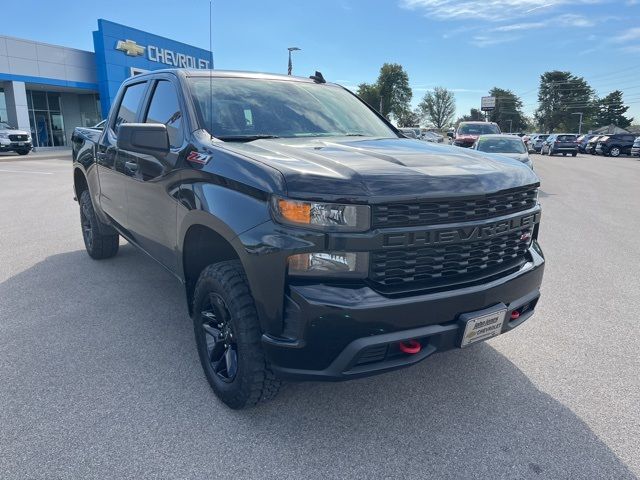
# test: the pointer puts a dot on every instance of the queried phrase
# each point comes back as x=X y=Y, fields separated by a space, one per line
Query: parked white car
x=14 y=140
x=510 y=146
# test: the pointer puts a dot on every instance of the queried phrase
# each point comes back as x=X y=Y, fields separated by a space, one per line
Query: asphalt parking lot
x=99 y=376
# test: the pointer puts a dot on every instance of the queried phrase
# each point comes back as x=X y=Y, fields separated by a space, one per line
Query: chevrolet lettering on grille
x=459 y=234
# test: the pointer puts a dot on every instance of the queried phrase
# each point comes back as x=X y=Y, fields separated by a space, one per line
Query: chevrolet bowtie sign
x=161 y=55
x=130 y=47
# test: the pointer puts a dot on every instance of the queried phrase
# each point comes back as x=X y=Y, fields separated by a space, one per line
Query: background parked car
x=468 y=132
x=590 y=147
x=408 y=132
x=635 y=150
x=583 y=140
x=615 y=145
x=432 y=137
x=563 y=143
x=510 y=146
x=536 y=142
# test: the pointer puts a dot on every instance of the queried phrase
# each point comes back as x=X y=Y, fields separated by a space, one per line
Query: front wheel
x=614 y=152
x=98 y=244
x=23 y=152
x=228 y=337
x=574 y=154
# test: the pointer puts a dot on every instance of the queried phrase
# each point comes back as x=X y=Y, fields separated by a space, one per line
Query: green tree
x=474 y=115
x=438 y=107
x=408 y=118
x=508 y=113
x=560 y=95
x=610 y=110
x=395 y=92
x=370 y=94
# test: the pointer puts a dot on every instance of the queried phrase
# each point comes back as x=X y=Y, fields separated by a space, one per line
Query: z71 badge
x=197 y=157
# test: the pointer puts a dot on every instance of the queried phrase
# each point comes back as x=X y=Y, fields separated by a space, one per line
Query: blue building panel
x=120 y=49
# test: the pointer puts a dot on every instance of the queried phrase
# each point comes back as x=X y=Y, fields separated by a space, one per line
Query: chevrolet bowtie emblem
x=130 y=47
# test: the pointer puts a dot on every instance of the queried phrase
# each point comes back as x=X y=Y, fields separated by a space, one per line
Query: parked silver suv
x=13 y=140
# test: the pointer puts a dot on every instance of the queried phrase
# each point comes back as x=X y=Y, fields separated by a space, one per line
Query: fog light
x=330 y=264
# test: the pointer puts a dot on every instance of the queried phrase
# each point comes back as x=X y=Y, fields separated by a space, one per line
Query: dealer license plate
x=483 y=327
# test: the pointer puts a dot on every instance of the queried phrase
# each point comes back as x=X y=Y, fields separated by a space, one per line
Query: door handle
x=131 y=166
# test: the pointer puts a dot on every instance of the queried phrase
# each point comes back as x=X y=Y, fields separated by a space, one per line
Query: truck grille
x=18 y=138
x=451 y=264
x=455 y=210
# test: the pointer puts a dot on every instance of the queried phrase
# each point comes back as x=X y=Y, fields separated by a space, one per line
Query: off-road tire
x=99 y=245
x=254 y=382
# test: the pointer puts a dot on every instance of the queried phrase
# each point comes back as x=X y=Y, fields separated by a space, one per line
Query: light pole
x=579 y=124
x=291 y=49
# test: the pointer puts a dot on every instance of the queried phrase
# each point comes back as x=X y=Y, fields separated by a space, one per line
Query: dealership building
x=49 y=90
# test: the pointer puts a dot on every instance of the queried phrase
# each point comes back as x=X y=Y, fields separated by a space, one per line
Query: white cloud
x=495 y=10
x=573 y=20
x=627 y=36
x=487 y=41
x=518 y=26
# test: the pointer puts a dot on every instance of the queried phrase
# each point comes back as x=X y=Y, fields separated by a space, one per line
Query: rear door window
x=129 y=105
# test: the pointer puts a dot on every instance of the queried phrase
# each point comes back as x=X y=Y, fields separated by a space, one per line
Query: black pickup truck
x=314 y=241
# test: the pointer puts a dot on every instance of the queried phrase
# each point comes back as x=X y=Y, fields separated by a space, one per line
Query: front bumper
x=344 y=332
x=15 y=146
x=635 y=152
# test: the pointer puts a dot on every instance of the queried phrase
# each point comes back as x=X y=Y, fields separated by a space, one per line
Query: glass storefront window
x=47 y=125
x=3 y=107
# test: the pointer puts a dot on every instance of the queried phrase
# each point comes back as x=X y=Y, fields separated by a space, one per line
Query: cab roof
x=184 y=72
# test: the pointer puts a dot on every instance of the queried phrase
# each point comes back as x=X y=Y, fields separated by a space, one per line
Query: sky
x=467 y=46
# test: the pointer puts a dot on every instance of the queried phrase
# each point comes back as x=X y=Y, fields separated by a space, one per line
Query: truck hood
x=344 y=167
x=12 y=131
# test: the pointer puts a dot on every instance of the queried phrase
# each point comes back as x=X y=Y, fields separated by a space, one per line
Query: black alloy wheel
x=222 y=349
x=85 y=223
x=100 y=240
x=229 y=337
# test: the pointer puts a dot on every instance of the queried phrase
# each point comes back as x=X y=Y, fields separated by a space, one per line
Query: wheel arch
x=80 y=183
x=205 y=240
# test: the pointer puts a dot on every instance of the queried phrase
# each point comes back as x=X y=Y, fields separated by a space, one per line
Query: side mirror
x=146 y=138
x=450 y=134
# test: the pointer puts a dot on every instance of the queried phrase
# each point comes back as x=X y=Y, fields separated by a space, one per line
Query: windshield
x=245 y=108
x=566 y=138
x=501 y=145
x=477 y=129
x=5 y=126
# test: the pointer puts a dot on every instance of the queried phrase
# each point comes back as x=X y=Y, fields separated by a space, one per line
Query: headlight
x=322 y=216
x=330 y=264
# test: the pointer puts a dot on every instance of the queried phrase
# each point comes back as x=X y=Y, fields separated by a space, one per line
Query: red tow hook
x=515 y=315
x=410 y=347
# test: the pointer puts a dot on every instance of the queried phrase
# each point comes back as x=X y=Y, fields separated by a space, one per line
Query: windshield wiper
x=245 y=138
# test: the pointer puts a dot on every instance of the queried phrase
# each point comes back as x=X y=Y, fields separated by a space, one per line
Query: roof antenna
x=210 y=74
x=318 y=78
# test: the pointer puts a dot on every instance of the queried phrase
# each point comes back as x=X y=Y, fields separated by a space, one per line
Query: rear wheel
x=614 y=151
x=228 y=337
x=23 y=152
x=99 y=245
x=574 y=154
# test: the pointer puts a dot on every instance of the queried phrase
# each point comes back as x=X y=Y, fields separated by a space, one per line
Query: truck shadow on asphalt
x=102 y=354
